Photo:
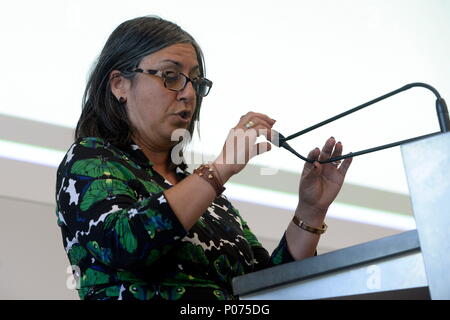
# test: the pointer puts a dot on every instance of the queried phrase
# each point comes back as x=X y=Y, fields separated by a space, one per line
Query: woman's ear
x=119 y=85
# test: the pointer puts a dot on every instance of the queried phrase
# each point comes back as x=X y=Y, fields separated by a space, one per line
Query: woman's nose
x=188 y=93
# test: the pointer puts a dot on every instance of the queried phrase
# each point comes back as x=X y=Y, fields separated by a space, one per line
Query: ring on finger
x=249 y=124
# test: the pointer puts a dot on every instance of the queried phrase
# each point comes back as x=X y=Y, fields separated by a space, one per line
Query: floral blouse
x=124 y=241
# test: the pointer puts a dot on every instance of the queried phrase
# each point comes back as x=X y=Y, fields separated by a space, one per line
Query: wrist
x=305 y=226
x=312 y=215
x=223 y=170
x=209 y=173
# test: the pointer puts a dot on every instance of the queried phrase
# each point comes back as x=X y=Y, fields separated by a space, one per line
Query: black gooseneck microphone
x=441 y=109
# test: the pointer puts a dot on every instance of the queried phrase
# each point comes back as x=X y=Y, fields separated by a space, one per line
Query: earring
x=122 y=100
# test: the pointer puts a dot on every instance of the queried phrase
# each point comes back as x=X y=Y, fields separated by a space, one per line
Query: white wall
x=33 y=264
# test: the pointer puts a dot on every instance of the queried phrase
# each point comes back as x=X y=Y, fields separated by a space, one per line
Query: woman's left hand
x=320 y=183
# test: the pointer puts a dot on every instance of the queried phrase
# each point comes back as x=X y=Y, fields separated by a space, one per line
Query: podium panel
x=427 y=167
x=389 y=267
x=401 y=274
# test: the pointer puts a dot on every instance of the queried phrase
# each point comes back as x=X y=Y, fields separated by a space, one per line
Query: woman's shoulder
x=90 y=148
x=92 y=143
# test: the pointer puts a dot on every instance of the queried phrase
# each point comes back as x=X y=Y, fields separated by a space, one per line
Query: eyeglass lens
x=177 y=81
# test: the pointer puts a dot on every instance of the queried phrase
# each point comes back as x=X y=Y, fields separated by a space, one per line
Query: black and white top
x=124 y=241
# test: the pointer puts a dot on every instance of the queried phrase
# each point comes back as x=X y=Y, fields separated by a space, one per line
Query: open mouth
x=184 y=115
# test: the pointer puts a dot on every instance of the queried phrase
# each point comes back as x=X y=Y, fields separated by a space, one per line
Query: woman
x=137 y=226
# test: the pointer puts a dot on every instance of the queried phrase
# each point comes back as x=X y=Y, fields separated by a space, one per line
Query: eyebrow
x=178 y=64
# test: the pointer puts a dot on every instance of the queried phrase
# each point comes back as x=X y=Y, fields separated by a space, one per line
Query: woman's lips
x=183 y=116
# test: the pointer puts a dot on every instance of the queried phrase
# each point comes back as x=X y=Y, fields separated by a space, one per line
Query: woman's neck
x=159 y=156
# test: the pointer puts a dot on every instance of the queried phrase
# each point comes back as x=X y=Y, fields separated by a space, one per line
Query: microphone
x=280 y=141
x=441 y=109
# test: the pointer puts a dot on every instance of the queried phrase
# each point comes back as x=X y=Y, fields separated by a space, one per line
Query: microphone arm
x=441 y=109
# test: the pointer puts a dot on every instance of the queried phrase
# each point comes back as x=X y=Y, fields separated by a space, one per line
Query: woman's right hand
x=240 y=145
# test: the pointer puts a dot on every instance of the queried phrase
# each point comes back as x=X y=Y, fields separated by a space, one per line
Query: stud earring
x=122 y=100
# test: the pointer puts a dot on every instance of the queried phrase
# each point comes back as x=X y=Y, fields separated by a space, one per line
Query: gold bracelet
x=207 y=173
x=302 y=225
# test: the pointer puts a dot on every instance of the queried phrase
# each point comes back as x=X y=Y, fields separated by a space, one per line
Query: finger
x=345 y=165
x=312 y=155
x=327 y=149
x=257 y=124
x=243 y=120
x=259 y=130
x=262 y=147
x=264 y=117
x=255 y=117
x=337 y=152
x=264 y=131
x=265 y=123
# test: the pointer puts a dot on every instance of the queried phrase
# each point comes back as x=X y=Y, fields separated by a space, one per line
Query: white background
x=300 y=62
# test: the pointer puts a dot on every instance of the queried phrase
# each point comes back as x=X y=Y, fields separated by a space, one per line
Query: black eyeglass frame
x=196 y=82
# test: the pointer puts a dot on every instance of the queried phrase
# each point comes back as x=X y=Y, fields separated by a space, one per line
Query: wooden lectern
x=409 y=265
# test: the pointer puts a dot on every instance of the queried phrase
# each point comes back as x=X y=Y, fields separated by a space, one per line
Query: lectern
x=410 y=265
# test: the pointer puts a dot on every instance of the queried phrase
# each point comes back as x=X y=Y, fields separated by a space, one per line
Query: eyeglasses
x=177 y=81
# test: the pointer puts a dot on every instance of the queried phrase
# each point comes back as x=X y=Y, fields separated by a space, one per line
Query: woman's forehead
x=180 y=55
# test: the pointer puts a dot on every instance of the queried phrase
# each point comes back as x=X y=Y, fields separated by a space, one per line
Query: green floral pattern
x=125 y=242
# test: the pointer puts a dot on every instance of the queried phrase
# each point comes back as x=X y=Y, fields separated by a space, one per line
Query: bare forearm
x=190 y=198
x=301 y=243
